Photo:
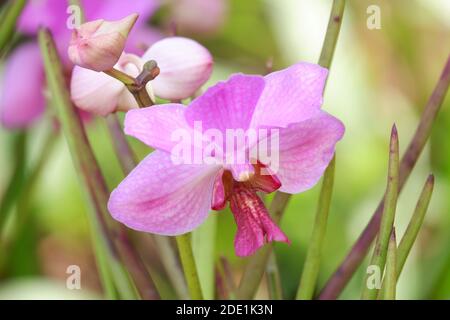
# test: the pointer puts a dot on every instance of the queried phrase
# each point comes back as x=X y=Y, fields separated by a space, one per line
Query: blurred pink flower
x=199 y=16
x=98 y=44
x=22 y=98
x=53 y=15
x=160 y=196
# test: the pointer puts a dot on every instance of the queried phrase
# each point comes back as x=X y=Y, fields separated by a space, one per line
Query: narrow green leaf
x=273 y=279
x=16 y=181
x=8 y=21
x=204 y=248
x=413 y=227
x=353 y=259
x=390 y=277
x=387 y=218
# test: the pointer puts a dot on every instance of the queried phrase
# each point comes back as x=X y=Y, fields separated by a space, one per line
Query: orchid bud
x=185 y=65
x=98 y=93
x=98 y=45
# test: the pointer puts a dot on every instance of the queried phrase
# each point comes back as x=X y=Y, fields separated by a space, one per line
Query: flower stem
x=344 y=272
x=387 y=218
x=414 y=225
x=273 y=279
x=87 y=165
x=123 y=150
x=137 y=86
x=391 y=274
x=312 y=262
x=16 y=181
x=189 y=267
x=25 y=195
x=333 y=29
x=224 y=269
x=413 y=228
x=254 y=270
x=8 y=21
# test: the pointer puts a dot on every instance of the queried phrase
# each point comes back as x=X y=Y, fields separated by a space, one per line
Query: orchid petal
x=227 y=105
x=158 y=125
x=291 y=95
x=163 y=198
x=305 y=150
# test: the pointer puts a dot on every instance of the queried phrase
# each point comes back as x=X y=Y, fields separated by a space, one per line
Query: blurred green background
x=378 y=77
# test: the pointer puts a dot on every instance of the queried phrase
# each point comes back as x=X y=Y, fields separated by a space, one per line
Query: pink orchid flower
x=21 y=110
x=169 y=198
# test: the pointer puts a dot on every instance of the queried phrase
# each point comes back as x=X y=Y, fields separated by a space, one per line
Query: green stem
x=391 y=273
x=273 y=279
x=254 y=270
x=123 y=150
x=347 y=268
x=312 y=262
x=31 y=179
x=16 y=181
x=85 y=163
x=332 y=34
x=189 y=267
x=137 y=86
x=227 y=275
x=8 y=21
x=171 y=265
x=387 y=218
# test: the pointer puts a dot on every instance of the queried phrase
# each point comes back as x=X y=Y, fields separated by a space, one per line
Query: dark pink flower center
x=254 y=224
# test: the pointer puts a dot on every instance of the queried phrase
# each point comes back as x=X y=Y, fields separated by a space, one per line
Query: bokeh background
x=378 y=77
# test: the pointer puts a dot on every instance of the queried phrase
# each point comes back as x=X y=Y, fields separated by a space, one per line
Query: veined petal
x=163 y=198
x=158 y=126
x=305 y=149
x=290 y=95
x=21 y=97
x=227 y=105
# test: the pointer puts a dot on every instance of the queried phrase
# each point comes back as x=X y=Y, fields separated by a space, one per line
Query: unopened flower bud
x=185 y=65
x=98 y=93
x=98 y=45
